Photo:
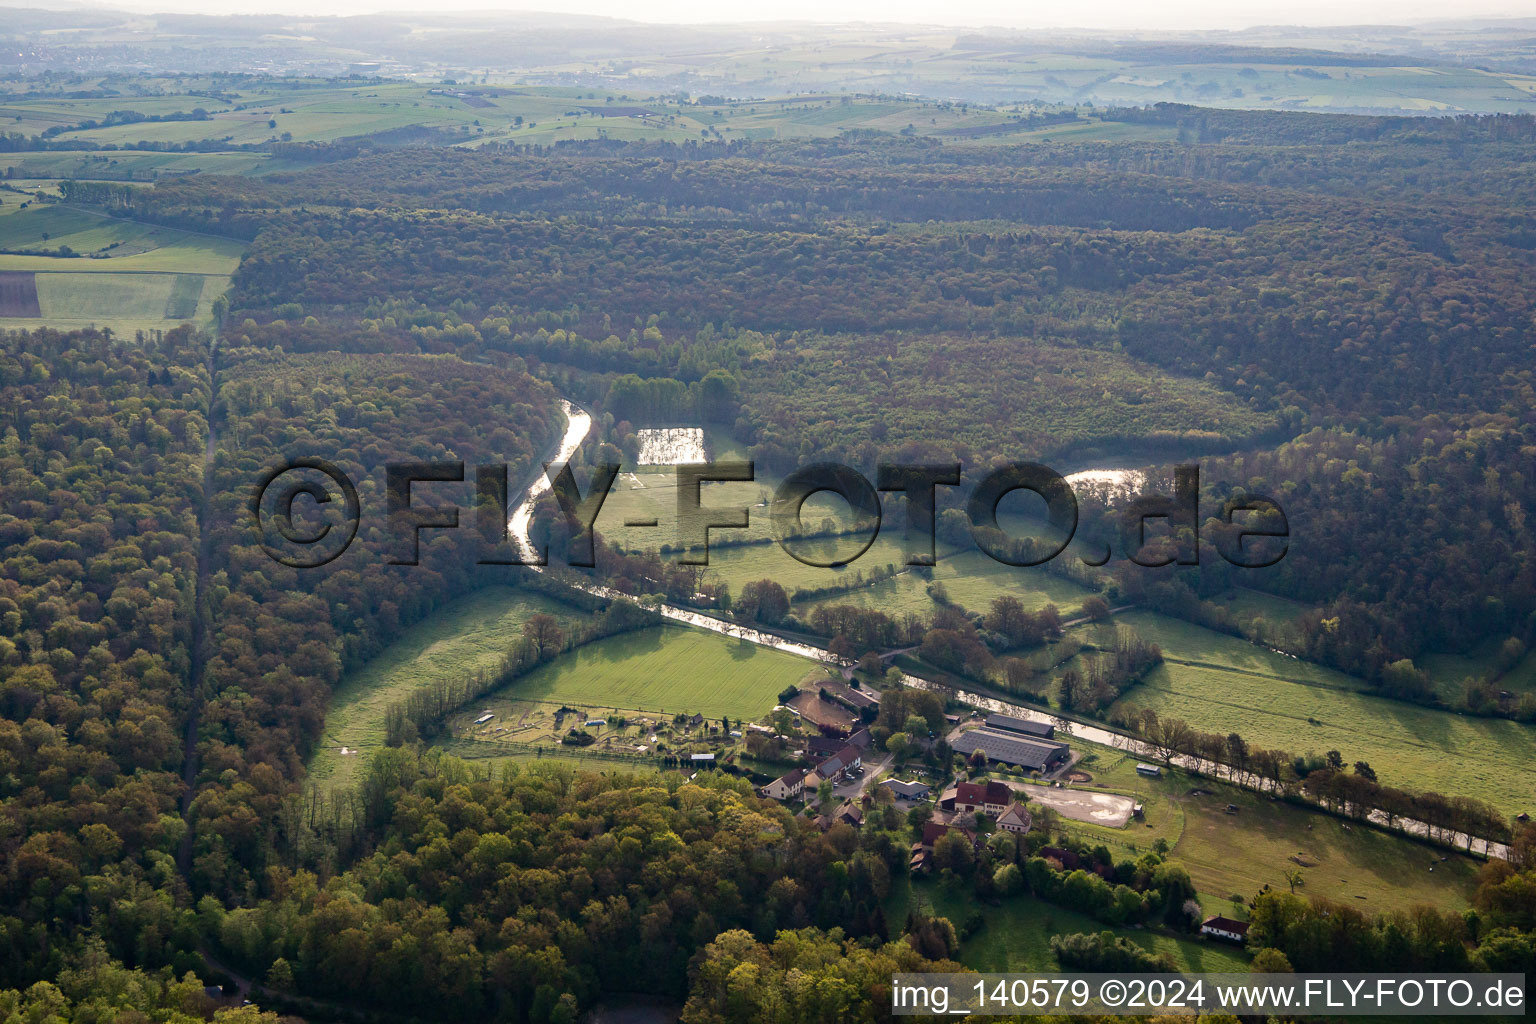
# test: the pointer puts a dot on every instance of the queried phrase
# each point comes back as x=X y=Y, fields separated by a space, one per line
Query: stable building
x=906 y=790
x=1038 y=755
x=1022 y=726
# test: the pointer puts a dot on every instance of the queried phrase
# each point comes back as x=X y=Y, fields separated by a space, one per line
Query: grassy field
x=472 y=634
x=1223 y=684
x=124 y=246
x=1450 y=671
x=127 y=276
x=1242 y=852
x=666 y=669
x=123 y=302
x=485 y=755
x=970 y=577
x=1017 y=935
x=130 y=165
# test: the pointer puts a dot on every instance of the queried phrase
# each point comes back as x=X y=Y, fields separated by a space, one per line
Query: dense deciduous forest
x=281 y=637
x=103 y=441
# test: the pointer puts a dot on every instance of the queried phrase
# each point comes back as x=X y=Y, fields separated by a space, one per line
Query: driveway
x=872 y=771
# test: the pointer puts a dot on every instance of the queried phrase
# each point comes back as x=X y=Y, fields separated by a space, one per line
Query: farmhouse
x=991 y=798
x=1022 y=726
x=832 y=767
x=1219 y=927
x=786 y=787
x=906 y=790
x=1011 y=748
x=1015 y=819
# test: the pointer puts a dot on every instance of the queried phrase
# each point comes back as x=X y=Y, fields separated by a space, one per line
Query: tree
x=280 y=975
x=544 y=632
x=953 y=850
x=762 y=601
x=1095 y=608
x=1006 y=617
x=1270 y=961
x=1294 y=878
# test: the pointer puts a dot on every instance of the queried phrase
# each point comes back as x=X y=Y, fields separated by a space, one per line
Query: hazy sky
x=1103 y=14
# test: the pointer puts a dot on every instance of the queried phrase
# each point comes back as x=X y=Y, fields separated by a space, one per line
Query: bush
x=1107 y=952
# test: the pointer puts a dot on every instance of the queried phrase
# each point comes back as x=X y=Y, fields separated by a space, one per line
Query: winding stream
x=578 y=423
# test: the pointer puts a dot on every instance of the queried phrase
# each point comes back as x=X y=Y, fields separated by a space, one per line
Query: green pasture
x=1242 y=852
x=473 y=634
x=666 y=669
x=125 y=303
x=131 y=165
x=1017 y=934
x=1223 y=684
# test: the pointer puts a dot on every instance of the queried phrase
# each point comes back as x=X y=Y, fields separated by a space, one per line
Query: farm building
x=991 y=798
x=786 y=787
x=906 y=790
x=1151 y=771
x=1015 y=819
x=826 y=746
x=1022 y=726
x=856 y=701
x=1011 y=748
x=702 y=760
x=1225 y=928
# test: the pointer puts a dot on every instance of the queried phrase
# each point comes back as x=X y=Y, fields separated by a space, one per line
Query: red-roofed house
x=991 y=798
